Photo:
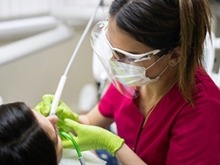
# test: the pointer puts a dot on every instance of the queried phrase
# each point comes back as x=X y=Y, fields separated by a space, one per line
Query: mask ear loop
x=158 y=76
x=76 y=146
x=155 y=62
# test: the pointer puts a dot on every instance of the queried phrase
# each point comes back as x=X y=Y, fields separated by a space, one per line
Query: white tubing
x=58 y=95
x=62 y=83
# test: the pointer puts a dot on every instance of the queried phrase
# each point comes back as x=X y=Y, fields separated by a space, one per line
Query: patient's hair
x=22 y=139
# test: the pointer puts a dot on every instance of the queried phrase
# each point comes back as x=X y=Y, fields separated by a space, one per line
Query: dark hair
x=22 y=139
x=166 y=24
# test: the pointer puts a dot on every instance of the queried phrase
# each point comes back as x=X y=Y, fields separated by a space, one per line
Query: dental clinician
x=165 y=105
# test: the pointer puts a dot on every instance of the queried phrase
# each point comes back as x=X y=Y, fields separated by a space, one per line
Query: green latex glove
x=62 y=112
x=92 y=137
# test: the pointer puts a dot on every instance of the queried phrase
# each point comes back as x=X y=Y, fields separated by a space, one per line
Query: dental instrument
x=64 y=76
x=67 y=136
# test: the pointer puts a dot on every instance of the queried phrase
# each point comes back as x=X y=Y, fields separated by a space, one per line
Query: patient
x=27 y=137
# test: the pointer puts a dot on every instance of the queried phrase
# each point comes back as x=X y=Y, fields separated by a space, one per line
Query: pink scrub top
x=175 y=133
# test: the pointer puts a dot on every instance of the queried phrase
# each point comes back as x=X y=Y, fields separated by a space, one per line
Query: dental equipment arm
x=63 y=78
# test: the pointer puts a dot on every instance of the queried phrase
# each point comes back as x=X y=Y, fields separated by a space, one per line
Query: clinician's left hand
x=62 y=112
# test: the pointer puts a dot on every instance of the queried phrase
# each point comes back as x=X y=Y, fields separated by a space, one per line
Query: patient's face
x=49 y=124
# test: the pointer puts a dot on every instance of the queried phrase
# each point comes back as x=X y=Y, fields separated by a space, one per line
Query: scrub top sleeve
x=106 y=104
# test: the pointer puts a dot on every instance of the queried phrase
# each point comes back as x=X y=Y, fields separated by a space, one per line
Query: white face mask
x=125 y=76
x=132 y=75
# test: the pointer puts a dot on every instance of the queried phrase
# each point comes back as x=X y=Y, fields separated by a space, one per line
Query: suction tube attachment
x=58 y=94
x=62 y=81
x=67 y=136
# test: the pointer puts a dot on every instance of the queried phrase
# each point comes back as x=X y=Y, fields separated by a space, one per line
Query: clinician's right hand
x=62 y=112
x=90 y=137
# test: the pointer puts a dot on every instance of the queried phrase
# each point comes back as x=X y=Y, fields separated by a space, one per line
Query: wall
x=29 y=78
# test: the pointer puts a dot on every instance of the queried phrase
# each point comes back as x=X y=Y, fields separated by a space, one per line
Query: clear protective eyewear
x=99 y=32
x=115 y=60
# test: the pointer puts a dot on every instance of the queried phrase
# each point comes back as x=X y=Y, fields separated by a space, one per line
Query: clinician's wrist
x=120 y=143
x=83 y=119
x=114 y=142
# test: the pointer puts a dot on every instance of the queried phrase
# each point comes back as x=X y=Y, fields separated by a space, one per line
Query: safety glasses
x=99 y=32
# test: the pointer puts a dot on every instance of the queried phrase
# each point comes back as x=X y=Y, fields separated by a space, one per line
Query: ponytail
x=194 y=24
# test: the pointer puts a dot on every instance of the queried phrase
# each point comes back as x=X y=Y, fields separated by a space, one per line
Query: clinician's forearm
x=127 y=157
x=94 y=117
x=89 y=117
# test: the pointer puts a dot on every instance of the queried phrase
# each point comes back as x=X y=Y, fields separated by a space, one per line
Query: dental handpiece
x=63 y=78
